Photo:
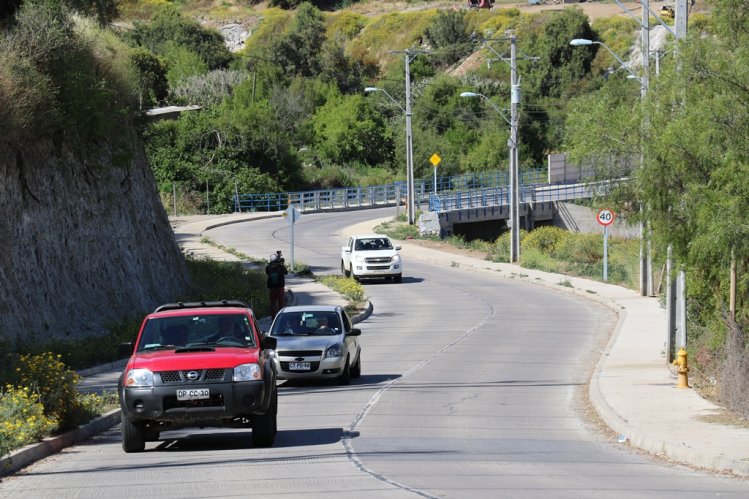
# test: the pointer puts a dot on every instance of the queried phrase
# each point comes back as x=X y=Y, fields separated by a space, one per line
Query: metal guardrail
x=499 y=196
x=349 y=197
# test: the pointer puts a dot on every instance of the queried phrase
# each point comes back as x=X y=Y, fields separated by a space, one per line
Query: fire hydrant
x=681 y=368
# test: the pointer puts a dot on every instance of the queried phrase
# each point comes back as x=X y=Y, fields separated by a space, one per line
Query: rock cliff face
x=84 y=241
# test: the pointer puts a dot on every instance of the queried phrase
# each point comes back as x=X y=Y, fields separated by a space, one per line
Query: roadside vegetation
x=349 y=289
x=550 y=249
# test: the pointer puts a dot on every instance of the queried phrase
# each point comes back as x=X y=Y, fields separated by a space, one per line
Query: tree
x=559 y=66
x=337 y=67
x=349 y=131
x=169 y=29
x=152 y=81
x=449 y=37
x=298 y=51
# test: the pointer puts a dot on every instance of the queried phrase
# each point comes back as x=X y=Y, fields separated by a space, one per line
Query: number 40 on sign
x=605 y=217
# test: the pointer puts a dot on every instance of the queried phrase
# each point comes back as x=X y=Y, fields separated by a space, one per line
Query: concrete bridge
x=476 y=213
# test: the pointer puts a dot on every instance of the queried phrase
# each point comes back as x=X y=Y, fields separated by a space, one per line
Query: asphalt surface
x=632 y=388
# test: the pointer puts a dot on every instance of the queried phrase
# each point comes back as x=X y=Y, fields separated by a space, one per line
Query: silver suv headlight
x=247 y=372
x=139 y=378
x=334 y=351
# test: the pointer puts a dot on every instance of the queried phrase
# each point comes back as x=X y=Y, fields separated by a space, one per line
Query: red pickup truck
x=203 y=364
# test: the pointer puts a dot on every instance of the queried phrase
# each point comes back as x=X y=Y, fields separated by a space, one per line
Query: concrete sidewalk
x=632 y=388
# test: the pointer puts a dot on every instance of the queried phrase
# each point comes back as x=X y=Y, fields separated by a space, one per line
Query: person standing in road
x=276 y=271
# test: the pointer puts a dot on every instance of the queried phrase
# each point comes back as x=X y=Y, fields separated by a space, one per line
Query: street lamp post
x=409 y=147
x=582 y=42
x=514 y=198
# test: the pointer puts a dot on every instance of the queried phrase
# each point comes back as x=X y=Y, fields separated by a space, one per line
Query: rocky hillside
x=85 y=242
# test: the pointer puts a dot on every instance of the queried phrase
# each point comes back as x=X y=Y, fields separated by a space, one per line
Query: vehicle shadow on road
x=233 y=440
x=405 y=280
x=301 y=385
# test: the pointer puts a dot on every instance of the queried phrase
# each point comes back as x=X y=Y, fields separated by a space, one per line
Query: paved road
x=492 y=376
x=472 y=386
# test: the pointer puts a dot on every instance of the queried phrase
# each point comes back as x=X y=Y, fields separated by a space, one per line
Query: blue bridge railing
x=497 y=196
x=348 y=197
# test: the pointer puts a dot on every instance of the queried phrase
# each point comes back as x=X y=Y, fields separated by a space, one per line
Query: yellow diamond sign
x=435 y=159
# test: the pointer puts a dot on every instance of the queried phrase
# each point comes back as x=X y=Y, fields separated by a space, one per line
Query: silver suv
x=316 y=341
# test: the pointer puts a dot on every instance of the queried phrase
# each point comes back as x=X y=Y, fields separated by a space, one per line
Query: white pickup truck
x=369 y=256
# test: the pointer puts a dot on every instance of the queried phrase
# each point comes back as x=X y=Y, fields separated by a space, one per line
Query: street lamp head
x=579 y=42
x=371 y=89
x=469 y=94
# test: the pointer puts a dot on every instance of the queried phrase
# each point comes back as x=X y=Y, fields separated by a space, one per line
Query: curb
x=363 y=315
x=237 y=220
x=118 y=364
x=37 y=451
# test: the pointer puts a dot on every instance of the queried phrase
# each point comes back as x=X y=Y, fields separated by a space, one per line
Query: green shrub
x=700 y=22
x=346 y=287
x=328 y=177
x=500 y=250
x=214 y=280
x=26 y=94
x=536 y=259
x=55 y=383
x=582 y=248
x=346 y=24
x=60 y=73
x=448 y=35
x=544 y=239
x=500 y=21
x=92 y=405
x=22 y=419
x=169 y=26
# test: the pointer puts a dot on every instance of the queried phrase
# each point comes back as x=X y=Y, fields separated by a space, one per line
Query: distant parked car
x=198 y=365
x=316 y=341
x=371 y=255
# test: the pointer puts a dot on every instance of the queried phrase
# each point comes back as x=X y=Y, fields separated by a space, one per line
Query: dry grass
x=726 y=418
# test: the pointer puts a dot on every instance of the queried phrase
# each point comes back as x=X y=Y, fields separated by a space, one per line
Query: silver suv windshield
x=306 y=324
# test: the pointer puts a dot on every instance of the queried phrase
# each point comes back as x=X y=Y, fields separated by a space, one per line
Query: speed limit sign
x=605 y=217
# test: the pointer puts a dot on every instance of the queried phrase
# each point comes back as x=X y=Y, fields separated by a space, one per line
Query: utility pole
x=671 y=293
x=409 y=141
x=680 y=19
x=646 y=265
x=513 y=145
x=676 y=292
x=409 y=55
